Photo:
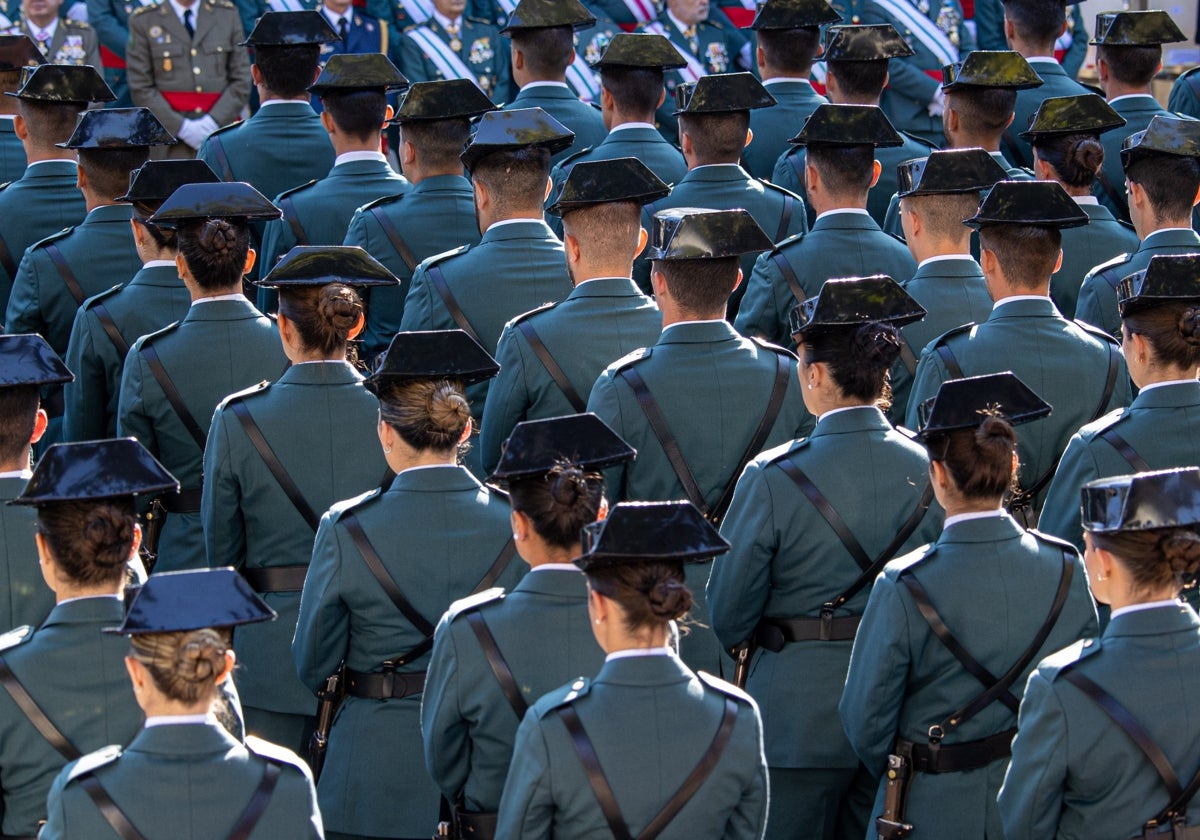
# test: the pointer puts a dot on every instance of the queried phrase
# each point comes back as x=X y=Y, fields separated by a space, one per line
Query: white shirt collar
x=8 y=116
x=1014 y=298
x=333 y=18
x=56 y=160
x=1085 y=199
x=87 y=598
x=430 y=467
x=681 y=323
x=350 y=157
x=50 y=29
x=270 y=102
x=1154 y=385
x=623 y=126
x=503 y=222
x=180 y=9
x=775 y=79
x=1044 y=59
x=178 y=720
x=944 y=258
x=530 y=85
x=212 y=298
x=629 y=653
x=1149 y=605
x=834 y=411
x=320 y=362
x=445 y=22
x=1165 y=230
x=556 y=567
x=1132 y=96
x=158 y=263
x=964 y=517
x=853 y=211
x=25 y=474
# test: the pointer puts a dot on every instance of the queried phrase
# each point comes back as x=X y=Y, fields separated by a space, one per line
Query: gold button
x=199 y=89
x=193 y=52
x=196 y=70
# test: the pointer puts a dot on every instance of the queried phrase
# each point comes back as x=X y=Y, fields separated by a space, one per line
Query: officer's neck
x=1113 y=89
x=965 y=139
x=925 y=246
x=823 y=202
x=344 y=143
x=37 y=152
x=1028 y=49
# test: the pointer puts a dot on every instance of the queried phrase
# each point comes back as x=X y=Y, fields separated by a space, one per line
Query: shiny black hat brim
x=176 y=602
x=647 y=532
x=28 y=360
x=157 y=180
x=320 y=265
x=433 y=354
x=92 y=470
x=225 y=200
x=1142 y=502
x=966 y=403
x=582 y=440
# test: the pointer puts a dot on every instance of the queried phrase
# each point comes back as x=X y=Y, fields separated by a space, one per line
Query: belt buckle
x=825 y=630
x=389 y=680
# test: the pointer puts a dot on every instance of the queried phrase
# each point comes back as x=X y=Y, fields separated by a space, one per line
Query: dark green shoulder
x=562 y=164
x=482 y=21
x=778 y=189
x=956 y=331
x=5 y=185
x=933 y=147
x=71 y=23
x=94 y=761
x=16 y=636
x=225 y=129
x=1097 y=332
x=1127 y=226
x=1187 y=73
x=913 y=559
x=1052 y=541
x=381 y=202
x=1097 y=427
x=788 y=450
x=54 y=237
x=721 y=687
x=442 y=257
x=276 y=754
x=563 y=696
x=1056 y=663
x=774 y=348
x=473 y=602
x=346 y=505
x=1118 y=260
x=545 y=307
x=241 y=396
x=96 y=298
x=295 y=190
x=220 y=4
x=631 y=359
x=148 y=338
x=791 y=240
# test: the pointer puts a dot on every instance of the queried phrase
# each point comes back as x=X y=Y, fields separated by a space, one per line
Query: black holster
x=742 y=654
x=331 y=697
x=891 y=824
x=152 y=532
x=474 y=825
x=1180 y=830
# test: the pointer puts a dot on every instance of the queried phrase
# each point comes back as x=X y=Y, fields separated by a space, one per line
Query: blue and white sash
x=935 y=40
x=694 y=69
x=507 y=6
x=438 y=51
x=642 y=10
x=582 y=79
x=419 y=11
x=284 y=6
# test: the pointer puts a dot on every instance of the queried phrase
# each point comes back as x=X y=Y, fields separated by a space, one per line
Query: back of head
x=716 y=138
x=49 y=123
x=859 y=358
x=844 y=170
x=107 y=170
x=983 y=111
x=651 y=594
x=438 y=142
x=700 y=288
x=324 y=316
x=859 y=81
x=1027 y=254
x=184 y=665
x=548 y=50
x=1131 y=66
x=1173 y=332
x=515 y=179
x=790 y=51
x=1075 y=158
x=606 y=231
x=360 y=114
x=1156 y=558
x=942 y=215
x=215 y=251
x=979 y=460
x=1037 y=22
x=164 y=238
x=559 y=503
x=429 y=415
x=90 y=541
x=1170 y=182
x=636 y=90
x=287 y=69
x=18 y=414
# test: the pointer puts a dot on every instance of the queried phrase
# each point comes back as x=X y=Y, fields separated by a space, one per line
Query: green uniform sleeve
x=931 y=373
x=740 y=581
x=508 y=400
x=323 y=625
x=418 y=304
x=891 y=221
x=750 y=816
x=132 y=419
x=527 y=805
x=605 y=402
x=1097 y=304
x=759 y=314
x=221 y=501
x=446 y=731
x=24 y=313
x=86 y=398
x=1031 y=799
x=1060 y=514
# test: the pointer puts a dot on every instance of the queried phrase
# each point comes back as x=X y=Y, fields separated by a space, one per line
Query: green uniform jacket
x=27 y=598
x=76 y=674
x=561 y=103
x=787 y=561
x=1097 y=304
x=249 y=522
x=699 y=369
x=74 y=42
x=437 y=531
x=601 y=321
x=1074 y=773
x=38 y=204
x=651 y=720
x=186 y=780
x=773 y=127
x=993 y=583
x=1084 y=248
x=543 y=633
x=1138 y=110
x=218 y=348
x=12 y=153
x=1185 y=96
x=953 y=292
x=1056 y=83
x=482 y=49
x=1065 y=365
x=154 y=298
x=891 y=222
x=842 y=243
x=1159 y=425
x=436 y=215
x=989 y=30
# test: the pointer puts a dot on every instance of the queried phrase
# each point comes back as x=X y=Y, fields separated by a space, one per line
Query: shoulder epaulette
x=789 y=449
x=16 y=636
x=728 y=689
x=53 y=237
x=471 y=602
x=959 y=330
x=338 y=508
x=222 y=4
x=545 y=307
x=715 y=24
x=1126 y=224
x=563 y=696
x=225 y=128
x=379 y=202
x=595 y=105
x=1187 y=73
x=153 y=6
x=562 y=164
x=107 y=293
x=1119 y=259
x=146 y=339
x=631 y=358
x=296 y=189
x=774 y=348
x=914 y=558
x=5 y=185
x=1096 y=331
x=791 y=240
x=94 y=761
x=71 y=23
x=480 y=20
x=1092 y=88
x=275 y=754
x=897 y=237
x=245 y=392
x=917 y=139
x=1041 y=536
x=1091 y=430
x=445 y=255
x=769 y=186
x=1056 y=663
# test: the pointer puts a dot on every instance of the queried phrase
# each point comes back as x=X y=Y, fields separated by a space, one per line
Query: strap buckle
x=936 y=735
x=389 y=678
x=825 y=630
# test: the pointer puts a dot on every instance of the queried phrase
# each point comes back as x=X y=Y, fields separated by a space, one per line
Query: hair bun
x=107 y=535
x=669 y=599
x=201 y=657
x=567 y=484
x=217 y=236
x=1087 y=154
x=1181 y=549
x=1189 y=325
x=877 y=345
x=340 y=308
x=448 y=409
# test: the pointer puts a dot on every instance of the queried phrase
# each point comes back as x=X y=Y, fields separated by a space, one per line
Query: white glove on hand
x=193 y=132
x=938 y=105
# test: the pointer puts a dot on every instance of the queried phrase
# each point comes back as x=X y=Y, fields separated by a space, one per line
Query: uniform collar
x=1175 y=394
x=1135 y=99
x=954 y=259
x=968 y=517
x=88 y=610
x=334 y=18
x=202 y=738
x=631 y=125
x=519 y=229
x=179 y=9
x=24 y=475
x=606 y=287
x=356 y=157
x=49 y=31
x=788 y=80
x=109 y=213
x=558 y=580
x=449 y=477
x=160 y=273
x=717 y=172
x=442 y=182
x=854 y=216
x=1172 y=617
x=644 y=670
x=546 y=84
x=445 y=22
x=859 y=418
x=327 y=373
x=179 y=720
x=215 y=298
x=233 y=308
x=1168 y=237
x=696 y=332
x=1032 y=300
x=991 y=526
x=46 y=168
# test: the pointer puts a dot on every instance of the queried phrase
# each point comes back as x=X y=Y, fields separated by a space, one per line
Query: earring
x=810 y=386
x=516 y=536
x=387 y=450
x=598 y=621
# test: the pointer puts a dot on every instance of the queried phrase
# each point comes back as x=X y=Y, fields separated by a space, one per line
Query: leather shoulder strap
x=785 y=219
x=218 y=150
x=439 y=283
x=110 y=328
x=65 y=272
x=827 y=511
x=41 y=722
x=497 y=662
x=789 y=275
x=907 y=357
x=173 y=396
x=6 y=260
x=1110 y=381
x=507 y=553
x=111 y=812
x=595 y=774
x=1124 y=449
x=552 y=367
x=380 y=572
x=952 y=366
x=257 y=804
x=289 y=212
x=394 y=237
x=278 y=472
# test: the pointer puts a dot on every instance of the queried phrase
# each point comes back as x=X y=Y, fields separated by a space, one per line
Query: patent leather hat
x=965 y=403
x=582 y=440
x=176 y=602
x=1142 y=502
x=95 y=469
x=648 y=532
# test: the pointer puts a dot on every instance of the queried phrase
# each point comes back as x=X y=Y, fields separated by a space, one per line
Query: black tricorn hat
x=506 y=131
x=854 y=301
x=176 y=602
x=1142 y=502
x=436 y=354
x=544 y=14
x=948 y=171
x=1164 y=136
x=647 y=532
x=157 y=180
x=17 y=51
x=118 y=128
x=865 y=42
x=794 y=14
x=28 y=360
x=582 y=440
x=320 y=265
x=446 y=99
x=95 y=469
x=646 y=50
x=593 y=182
x=722 y=93
x=1136 y=29
x=222 y=200
x=347 y=72
x=63 y=83
x=990 y=69
x=693 y=233
x=280 y=29
x=1169 y=278
x=1087 y=113
x=848 y=125
x=1037 y=203
x=964 y=403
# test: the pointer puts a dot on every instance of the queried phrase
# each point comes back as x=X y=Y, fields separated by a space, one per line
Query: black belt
x=18 y=837
x=475 y=826
x=387 y=685
x=956 y=758
x=773 y=633
x=276 y=578
x=185 y=501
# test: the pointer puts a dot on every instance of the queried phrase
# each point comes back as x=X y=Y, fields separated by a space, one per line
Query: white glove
x=938 y=105
x=194 y=132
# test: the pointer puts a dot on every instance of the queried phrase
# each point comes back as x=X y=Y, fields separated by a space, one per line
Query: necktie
x=343 y=28
x=187 y=23
x=43 y=41
x=693 y=41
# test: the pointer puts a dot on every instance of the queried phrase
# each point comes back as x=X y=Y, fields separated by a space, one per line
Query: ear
x=915 y=223
x=658 y=283
x=408 y=153
x=388 y=113
x=939 y=474
x=1009 y=31
x=737 y=282
x=644 y=240
x=760 y=59
x=40 y=423
x=812 y=178
x=137 y=540
x=571 y=245
x=951 y=116
x=358 y=327
x=20 y=127
x=988 y=261
x=327 y=122
x=181 y=266
x=285 y=327
x=1011 y=117
x=251 y=256
x=137 y=673
x=749 y=138
x=1042 y=169
x=662 y=97
x=1058 y=263
x=1196 y=200
x=256 y=75
x=466 y=434
x=549 y=188
x=522 y=526
x=602 y=512
x=685 y=143
x=81 y=179
x=483 y=198
x=876 y=171
x=518 y=58
x=230 y=661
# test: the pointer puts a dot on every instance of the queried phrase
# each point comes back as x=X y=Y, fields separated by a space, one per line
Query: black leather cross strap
x=394 y=237
x=1117 y=197
x=285 y=481
x=384 y=685
x=10 y=266
x=18 y=837
x=785 y=219
x=173 y=396
x=257 y=804
x=289 y=213
x=41 y=722
x=439 y=283
x=552 y=367
x=276 y=578
x=218 y=150
x=907 y=357
x=957 y=758
x=789 y=275
x=952 y=366
x=1125 y=450
x=185 y=501
x=497 y=662
x=691 y=785
x=112 y=814
x=110 y=329
x=65 y=272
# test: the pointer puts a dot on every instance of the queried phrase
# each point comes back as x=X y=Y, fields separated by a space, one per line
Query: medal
x=167 y=64
x=455 y=44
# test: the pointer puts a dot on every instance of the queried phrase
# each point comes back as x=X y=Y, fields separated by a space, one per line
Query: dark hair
x=636 y=90
x=559 y=503
x=18 y=416
x=215 y=251
x=791 y=51
x=859 y=79
x=1075 y=158
x=1170 y=182
x=323 y=316
x=91 y=541
x=716 y=138
x=651 y=594
x=107 y=170
x=859 y=358
x=428 y=414
x=983 y=110
x=1131 y=66
x=50 y=122
x=184 y=665
x=548 y=50
x=844 y=169
x=1027 y=254
x=10 y=80
x=979 y=460
x=1172 y=330
x=163 y=237
x=609 y=230
x=1157 y=557
x=700 y=287
x=287 y=69
x=516 y=180
x=944 y=214
x=439 y=142
x=359 y=113
x=1037 y=21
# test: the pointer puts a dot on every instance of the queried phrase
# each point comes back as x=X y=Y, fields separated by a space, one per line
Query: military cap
x=17 y=51
x=866 y=42
x=722 y=93
x=435 y=354
x=648 y=532
x=320 y=265
x=232 y=200
x=964 y=403
x=176 y=602
x=118 y=128
x=285 y=29
x=520 y=128
x=546 y=14
x=1135 y=29
x=349 y=72
x=990 y=69
x=848 y=125
x=27 y=360
x=593 y=182
x=447 y=99
x=582 y=440
x=794 y=14
x=694 y=233
x=157 y=180
x=1036 y=203
x=854 y=301
x=95 y=469
x=1169 y=278
x=949 y=171
x=63 y=83
x=1164 y=136
x=1142 y=502
x=644 y=50
x=1087 y=113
